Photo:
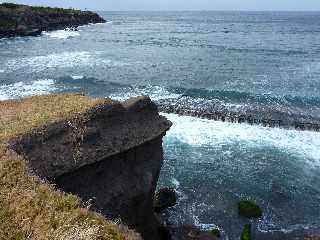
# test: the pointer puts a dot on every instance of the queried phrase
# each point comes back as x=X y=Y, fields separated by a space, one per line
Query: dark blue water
x=240 y=60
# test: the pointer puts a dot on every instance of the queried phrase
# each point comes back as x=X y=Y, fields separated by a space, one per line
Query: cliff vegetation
x=31 y=208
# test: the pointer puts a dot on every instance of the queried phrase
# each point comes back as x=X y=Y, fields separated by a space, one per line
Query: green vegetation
x=10 y=5
x=37 y=9
x=215 y=233
x=7 y=23
x=249 y=209
x=29 y=207
x=246 y=233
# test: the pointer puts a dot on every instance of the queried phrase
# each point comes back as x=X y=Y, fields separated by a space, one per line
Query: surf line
x=225 y=116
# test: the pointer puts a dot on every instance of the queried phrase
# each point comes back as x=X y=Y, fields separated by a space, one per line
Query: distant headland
x=23 y=20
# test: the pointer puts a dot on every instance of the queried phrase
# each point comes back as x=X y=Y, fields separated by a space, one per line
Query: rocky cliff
x=22 y=20
x=110 y=156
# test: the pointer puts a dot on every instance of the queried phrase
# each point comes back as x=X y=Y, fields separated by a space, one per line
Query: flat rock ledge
x=109 y=155
x=90 y=137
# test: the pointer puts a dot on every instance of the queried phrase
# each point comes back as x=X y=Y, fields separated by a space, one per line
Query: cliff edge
x=23 y=20
x=66 y=157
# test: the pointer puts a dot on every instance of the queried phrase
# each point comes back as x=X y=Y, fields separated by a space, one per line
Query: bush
x=10 y=5
x=249 y=209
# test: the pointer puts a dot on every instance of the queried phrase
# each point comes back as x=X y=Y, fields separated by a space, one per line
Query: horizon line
x=198 y=10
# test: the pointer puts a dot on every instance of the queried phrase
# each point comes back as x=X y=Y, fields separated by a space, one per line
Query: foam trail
x=62 y=34
x=1 y=71
x=197 y=132
x=154 y=92
x=21 y=89
x=63 y=59
x=77 y=77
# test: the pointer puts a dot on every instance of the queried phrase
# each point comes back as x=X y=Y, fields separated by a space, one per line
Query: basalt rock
x=164 y=198
x=109 y=156
x=22 y=20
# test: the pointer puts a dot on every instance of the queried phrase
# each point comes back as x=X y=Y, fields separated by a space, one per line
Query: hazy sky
x=282 y=5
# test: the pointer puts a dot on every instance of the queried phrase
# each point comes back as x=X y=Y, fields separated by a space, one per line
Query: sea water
x=240 y=59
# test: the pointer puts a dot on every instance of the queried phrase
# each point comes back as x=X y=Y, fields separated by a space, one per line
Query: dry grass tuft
x=31 y=208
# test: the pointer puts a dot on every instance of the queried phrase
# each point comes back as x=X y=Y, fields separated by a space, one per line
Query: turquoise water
x=239 y=61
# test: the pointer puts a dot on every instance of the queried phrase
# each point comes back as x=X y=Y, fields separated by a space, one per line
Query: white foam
x=77 y=77
x=175 y=183
x=64 y=60
x=2 y=71
x=62 y=34
x=154 y=92
x=216 y=134
x=21 y=89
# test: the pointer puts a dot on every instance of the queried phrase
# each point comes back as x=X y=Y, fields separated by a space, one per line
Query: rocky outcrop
x=22 y=20
x=214 y=110
x=109 y=156
x=164 y=198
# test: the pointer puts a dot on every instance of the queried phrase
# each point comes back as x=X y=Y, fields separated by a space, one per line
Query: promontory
x=23 y=20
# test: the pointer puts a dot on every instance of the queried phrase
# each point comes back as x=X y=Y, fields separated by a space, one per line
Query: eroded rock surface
x=110 y=157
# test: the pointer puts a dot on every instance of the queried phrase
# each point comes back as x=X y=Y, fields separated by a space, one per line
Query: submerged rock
x=190 y=232
x=249 y=209
x=164 y=198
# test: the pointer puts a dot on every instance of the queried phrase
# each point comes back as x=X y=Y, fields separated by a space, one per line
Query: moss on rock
x=246 y=233
x=215 y=233
x=249 y=209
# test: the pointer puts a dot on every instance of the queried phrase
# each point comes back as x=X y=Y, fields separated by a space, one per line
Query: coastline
x=22 y=20
x=200 y=132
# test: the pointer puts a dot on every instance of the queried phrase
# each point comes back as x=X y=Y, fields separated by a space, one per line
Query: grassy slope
x=29 y=207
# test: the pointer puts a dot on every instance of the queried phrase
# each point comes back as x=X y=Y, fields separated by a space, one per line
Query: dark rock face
x=164 y=198
x=121 y=186
x=190 y=233
x=110 y=157
x=21 y=20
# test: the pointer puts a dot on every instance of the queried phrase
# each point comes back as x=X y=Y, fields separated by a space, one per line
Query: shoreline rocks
x=164 y=198
x=212 y=110
x=22 y=20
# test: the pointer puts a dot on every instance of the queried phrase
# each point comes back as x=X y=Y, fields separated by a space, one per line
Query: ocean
x=262 y=63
